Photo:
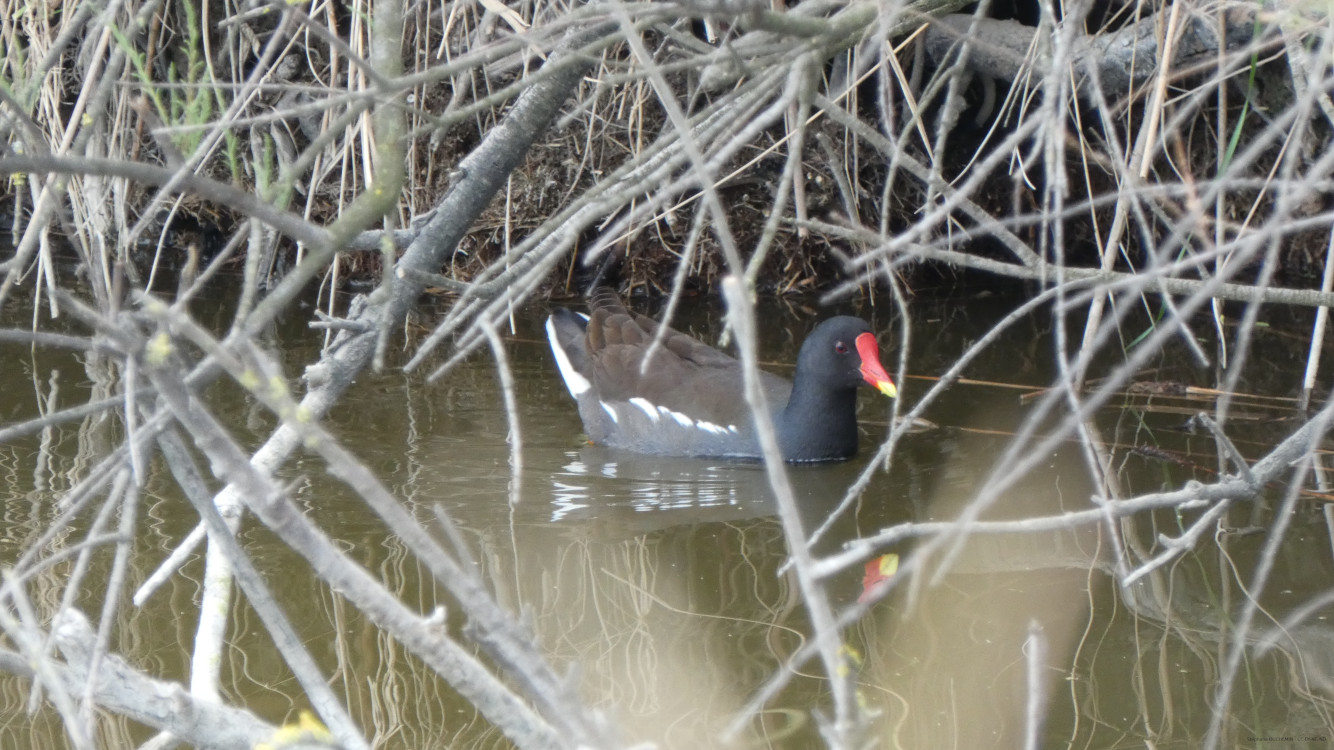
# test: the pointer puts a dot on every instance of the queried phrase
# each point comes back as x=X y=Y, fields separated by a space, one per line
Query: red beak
x=874 y=372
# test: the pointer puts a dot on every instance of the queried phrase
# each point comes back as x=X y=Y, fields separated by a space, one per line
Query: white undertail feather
x=578 y=384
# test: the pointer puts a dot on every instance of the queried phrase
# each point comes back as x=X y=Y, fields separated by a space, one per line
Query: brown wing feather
x=684 y=375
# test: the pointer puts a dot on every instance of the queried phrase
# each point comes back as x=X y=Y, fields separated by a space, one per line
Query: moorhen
x=689 y=401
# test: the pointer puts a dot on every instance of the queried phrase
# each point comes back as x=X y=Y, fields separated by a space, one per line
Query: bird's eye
x=840 y=347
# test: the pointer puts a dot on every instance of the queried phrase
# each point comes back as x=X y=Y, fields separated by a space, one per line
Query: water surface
x=661 y=582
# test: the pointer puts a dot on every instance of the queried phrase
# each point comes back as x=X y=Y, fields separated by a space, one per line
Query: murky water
x=661 y=581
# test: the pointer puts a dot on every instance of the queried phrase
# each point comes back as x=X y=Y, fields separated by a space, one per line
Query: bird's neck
x=818 y=424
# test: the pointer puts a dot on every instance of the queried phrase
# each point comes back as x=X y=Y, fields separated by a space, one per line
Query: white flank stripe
x=711 y=427
x=647 y=406
x=578 y=384
x=611 y=412
x=680 y=418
